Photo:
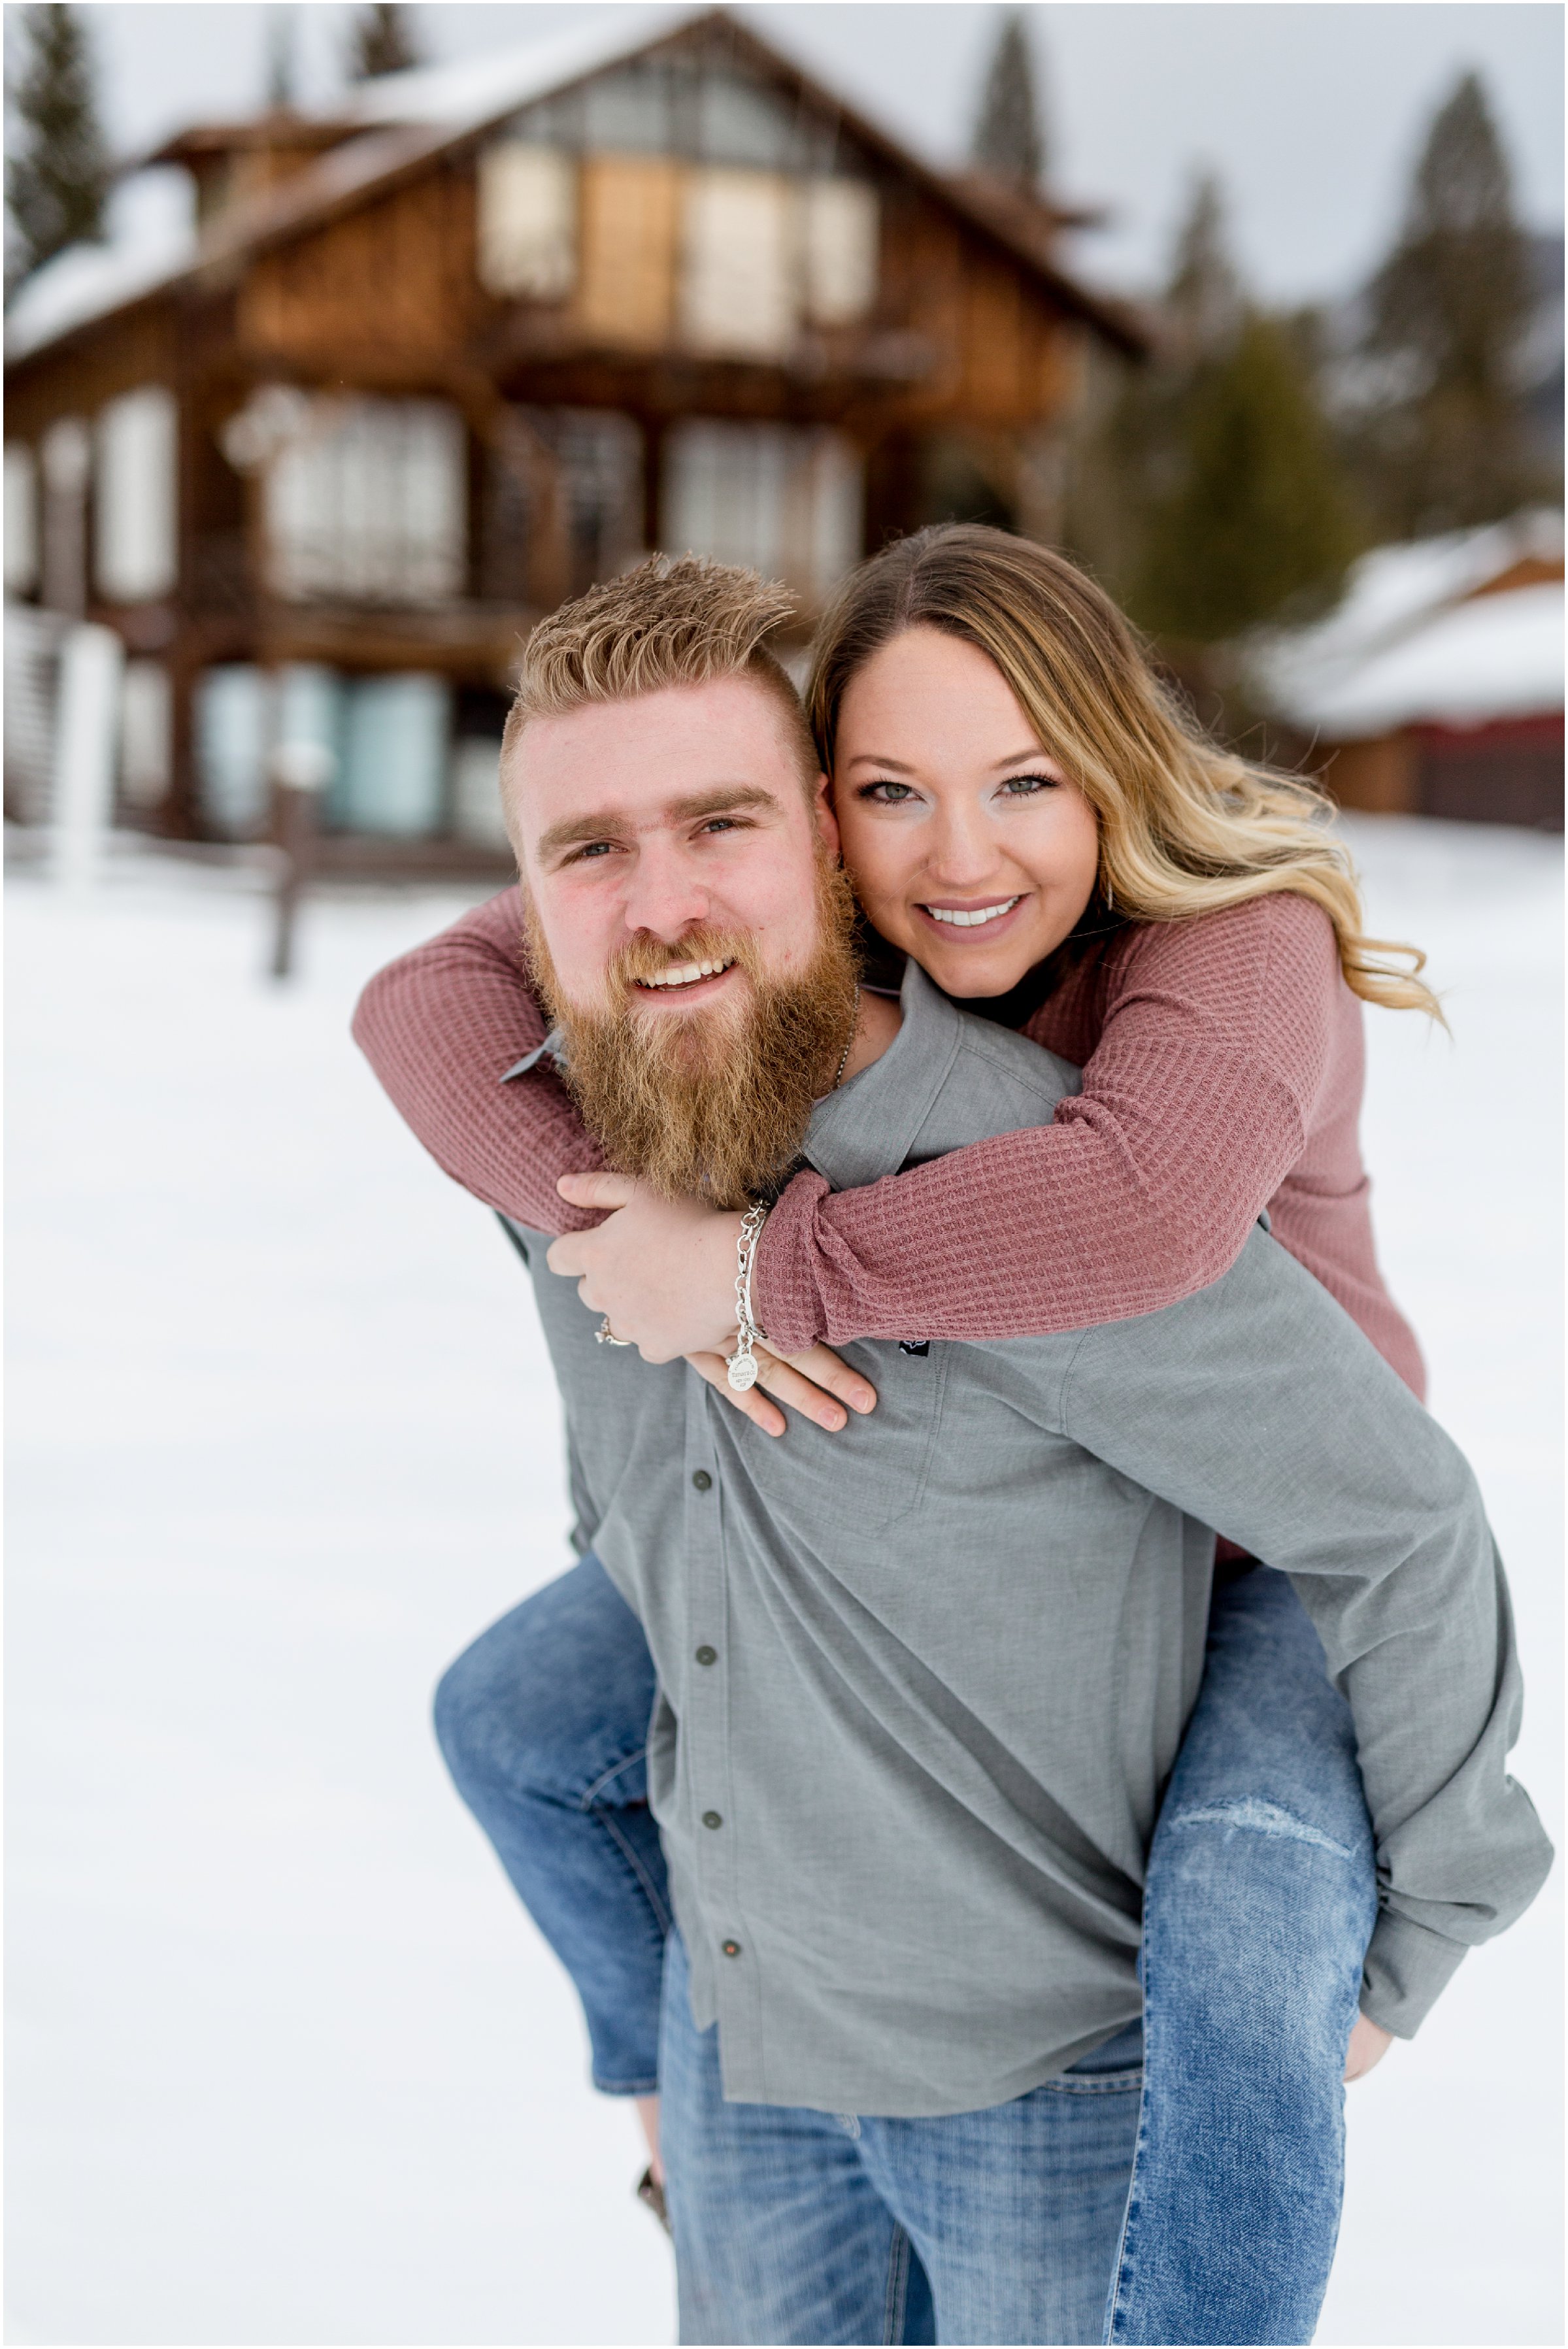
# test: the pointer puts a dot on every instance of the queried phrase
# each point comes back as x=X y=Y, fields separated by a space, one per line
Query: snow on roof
x=482 y=89
x=1497 y=657
x=1415 y=638
x=403 y=117
x=152 y=237
x=150 y=243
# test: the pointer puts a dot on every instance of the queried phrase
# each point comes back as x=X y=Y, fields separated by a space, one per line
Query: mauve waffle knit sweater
x=1223 y=1067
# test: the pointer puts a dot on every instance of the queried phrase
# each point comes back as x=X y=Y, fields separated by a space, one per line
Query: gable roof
x=405 y=122
x=1456 y=630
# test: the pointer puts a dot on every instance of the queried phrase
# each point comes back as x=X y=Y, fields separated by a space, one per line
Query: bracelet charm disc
x=740 y=1369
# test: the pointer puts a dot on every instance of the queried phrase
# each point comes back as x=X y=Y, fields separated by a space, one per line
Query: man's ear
x=822 y=814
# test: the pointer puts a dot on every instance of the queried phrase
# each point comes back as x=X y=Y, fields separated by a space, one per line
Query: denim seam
x=587 y=1800
x=1113 y=2084
x=1121 y=2276
x=898 y=2282
x=605 y=1819
x=623 y=2087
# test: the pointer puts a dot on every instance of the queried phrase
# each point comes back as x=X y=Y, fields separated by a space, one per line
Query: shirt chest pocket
x=823 y=1487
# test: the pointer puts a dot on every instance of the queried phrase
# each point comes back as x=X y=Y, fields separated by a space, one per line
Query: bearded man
x=919 y=1685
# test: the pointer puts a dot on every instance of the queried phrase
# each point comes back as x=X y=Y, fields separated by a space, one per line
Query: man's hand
x=663 y=1269
x=1369 y=2043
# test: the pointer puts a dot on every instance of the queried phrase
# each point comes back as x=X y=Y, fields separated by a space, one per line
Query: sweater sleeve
x=1194 y=1106
x=441 y=1027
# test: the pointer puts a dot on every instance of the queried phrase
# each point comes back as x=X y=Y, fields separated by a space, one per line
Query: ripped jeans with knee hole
x=1259 y=1900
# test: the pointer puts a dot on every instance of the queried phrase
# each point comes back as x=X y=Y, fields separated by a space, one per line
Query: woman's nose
x=962 y=852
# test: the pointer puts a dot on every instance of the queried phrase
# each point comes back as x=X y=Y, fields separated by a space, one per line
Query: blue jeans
x=799 y=2226
x=1259 y=1900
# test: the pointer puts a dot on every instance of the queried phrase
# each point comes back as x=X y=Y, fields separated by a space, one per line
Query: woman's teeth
x=969 y=921
x=687 y=974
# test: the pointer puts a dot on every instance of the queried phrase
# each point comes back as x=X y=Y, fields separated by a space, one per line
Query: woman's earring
x=1110 y=901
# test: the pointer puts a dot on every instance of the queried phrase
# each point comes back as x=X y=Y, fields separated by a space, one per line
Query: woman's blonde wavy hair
x=1186 y=828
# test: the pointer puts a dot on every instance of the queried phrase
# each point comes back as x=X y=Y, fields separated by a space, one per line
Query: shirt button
x=731 y=1948
x=712 y=1819
x=702 y=1480
x=706 y=1655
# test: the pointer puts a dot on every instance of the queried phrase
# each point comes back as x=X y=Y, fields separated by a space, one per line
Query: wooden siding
x=394 y=278
x=630 y=211
x=79 y=377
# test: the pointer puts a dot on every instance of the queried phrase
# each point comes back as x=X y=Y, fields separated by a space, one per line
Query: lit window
x=838 y=250
x=779 y=499
x=368 y=500
x=738 y=282
x=135 y=554
x=527 y=222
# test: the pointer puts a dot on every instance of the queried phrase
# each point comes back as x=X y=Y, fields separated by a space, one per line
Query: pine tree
x=383 y=42
x=1203 y=303
x=1008 y=140
x=1443 y=439
x=56 y=180
x=1129 y=458
x=1208 y=496
x=1258 y=520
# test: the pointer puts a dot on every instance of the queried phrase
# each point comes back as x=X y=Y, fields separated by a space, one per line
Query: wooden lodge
x=429 y=368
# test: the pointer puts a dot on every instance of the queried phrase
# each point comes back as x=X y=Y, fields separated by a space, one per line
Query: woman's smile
x=980 y=913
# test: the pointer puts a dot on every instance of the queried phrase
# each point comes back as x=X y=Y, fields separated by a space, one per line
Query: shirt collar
x=867 y=1128
x=553 y=1047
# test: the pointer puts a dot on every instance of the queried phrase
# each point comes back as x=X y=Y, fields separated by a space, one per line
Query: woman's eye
x=887 y=794
x=1021 y=787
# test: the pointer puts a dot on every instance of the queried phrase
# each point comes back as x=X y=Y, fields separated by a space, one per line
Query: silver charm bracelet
x=742 y=1368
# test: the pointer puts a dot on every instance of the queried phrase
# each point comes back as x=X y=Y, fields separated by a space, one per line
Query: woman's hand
x=809 y=1382
x=663 y=1269
x=1369 y=2043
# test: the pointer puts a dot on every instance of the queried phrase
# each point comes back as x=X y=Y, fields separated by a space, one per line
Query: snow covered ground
x=287 y=2065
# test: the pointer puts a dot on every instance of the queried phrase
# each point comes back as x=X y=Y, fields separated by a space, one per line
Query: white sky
x=1312 y=110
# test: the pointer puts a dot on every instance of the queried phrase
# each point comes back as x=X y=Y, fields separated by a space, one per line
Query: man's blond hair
x=673 y=620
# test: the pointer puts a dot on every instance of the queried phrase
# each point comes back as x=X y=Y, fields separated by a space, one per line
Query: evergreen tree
x=1130 y=457
x=56 y=178
x=1442 y=441
x=383 y=42
x=1203 y=303
x=1259 y=518
x=1209 y=495
x=1008 y=140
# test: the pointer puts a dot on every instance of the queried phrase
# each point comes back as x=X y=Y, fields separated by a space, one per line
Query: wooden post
x=654 y=431
x=301 y=771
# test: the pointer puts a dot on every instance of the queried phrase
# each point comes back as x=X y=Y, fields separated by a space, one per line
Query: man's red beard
x=711 y=1102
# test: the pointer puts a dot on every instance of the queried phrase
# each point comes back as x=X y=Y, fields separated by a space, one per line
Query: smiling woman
x=971 y=848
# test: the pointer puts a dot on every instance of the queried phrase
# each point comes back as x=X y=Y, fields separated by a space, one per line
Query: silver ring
x=605 y=1336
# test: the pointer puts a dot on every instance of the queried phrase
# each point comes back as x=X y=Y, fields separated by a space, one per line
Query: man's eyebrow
x=605 y=824
x=614 y=823
x=724 y=799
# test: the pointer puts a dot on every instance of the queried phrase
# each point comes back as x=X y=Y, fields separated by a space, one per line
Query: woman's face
x=968 y=847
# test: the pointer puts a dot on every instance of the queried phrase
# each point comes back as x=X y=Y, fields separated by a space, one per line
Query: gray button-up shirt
x=921 y=1681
